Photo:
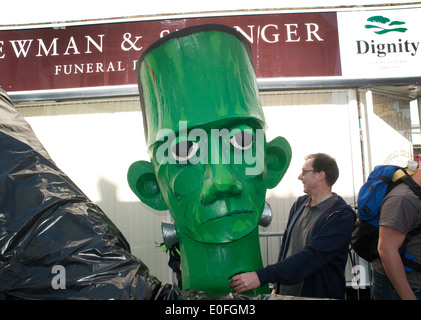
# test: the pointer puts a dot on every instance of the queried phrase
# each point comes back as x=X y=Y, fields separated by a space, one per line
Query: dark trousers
x=382 y=288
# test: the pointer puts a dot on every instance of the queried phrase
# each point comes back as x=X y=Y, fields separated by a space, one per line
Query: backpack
x=365 y=235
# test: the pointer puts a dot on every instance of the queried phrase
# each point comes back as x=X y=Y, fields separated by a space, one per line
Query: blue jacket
x=321 y=263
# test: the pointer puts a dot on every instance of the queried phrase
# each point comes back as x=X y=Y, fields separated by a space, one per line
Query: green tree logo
x=383 y=25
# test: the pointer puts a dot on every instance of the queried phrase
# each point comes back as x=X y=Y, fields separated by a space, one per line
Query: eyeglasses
x=303 y=172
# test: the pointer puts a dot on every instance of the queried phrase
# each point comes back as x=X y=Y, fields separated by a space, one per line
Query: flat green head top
x=210 y=162
x=198 y=74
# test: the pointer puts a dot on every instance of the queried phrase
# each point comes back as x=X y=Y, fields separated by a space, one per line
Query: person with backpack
x=400 y=215
x=315 y=244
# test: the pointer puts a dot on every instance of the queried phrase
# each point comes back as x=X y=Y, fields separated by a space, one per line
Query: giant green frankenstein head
x=210 y=162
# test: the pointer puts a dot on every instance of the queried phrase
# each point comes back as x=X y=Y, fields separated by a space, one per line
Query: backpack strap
x=407 y=261
x=416 y=188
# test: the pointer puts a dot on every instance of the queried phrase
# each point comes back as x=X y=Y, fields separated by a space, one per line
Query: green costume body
x=210 y=162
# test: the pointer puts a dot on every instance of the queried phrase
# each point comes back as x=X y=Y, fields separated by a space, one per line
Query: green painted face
x=210 y=162
x=214 y=179
x=204 y=127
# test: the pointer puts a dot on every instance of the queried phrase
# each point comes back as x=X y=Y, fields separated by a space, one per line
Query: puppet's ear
x=278 y=157
x=142 y=181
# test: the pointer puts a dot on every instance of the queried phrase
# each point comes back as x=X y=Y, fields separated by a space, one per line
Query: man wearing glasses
x=315 y=245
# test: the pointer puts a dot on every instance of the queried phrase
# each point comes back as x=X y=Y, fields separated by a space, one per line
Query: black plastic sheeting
x=57 y=244
x=46 y=221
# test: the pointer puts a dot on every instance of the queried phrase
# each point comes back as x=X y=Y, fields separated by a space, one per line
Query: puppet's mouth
x=229 y=227
x=226 y=227
x=228 y=214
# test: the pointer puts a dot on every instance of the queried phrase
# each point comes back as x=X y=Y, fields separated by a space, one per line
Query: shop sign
x=105 y=54
x=361 y=44
x=380 y=44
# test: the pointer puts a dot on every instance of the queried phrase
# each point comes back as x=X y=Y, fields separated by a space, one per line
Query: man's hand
x=245 y=282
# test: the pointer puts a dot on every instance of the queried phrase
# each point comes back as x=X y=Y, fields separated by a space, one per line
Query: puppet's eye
x=242 y=140
x=184 y=150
